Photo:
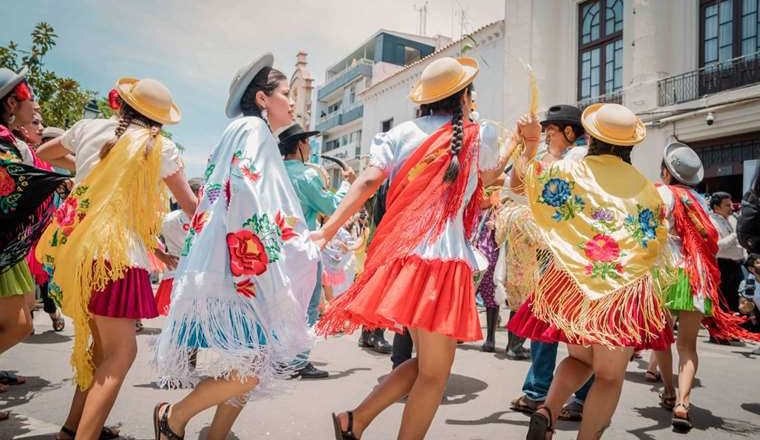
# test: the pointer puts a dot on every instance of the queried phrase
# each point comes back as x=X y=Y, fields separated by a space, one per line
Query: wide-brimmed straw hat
x=613 y=124
x=443 y=78
x=242 y=79
x=150 y=98
x=683 y=163
x=10 y=79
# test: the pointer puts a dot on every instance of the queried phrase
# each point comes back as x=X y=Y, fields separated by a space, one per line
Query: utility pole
x=422 y=11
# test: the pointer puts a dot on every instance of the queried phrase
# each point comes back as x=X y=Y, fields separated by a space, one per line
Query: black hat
x=563 y=115
x=290 y=136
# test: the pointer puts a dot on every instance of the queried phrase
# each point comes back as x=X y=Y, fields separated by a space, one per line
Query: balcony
x=361 y=68
x=708 y=80
x=335 y=119
x=613 y=98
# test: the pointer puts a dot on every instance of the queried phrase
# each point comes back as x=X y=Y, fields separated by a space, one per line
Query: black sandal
x=667 y=402
x=348 y=434
x=682 y=424
x=540 y=425
x=105 y=434
x=58 y=323
x=161 y=424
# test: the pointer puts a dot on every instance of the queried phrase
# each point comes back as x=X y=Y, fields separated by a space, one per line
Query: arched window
x=600 y=47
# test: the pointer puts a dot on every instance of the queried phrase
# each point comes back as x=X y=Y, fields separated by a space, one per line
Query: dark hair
x=128 y=116
x=717 y=198
x=451 y=104
x=4 y=116
x=755 y=187
x=267 y=81
x=750 y=261
x=597 y=148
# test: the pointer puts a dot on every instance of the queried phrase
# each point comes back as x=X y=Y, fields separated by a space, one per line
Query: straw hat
x=443 y=78
x=150 y=98
x=10 y=79
x=683 y=163
x=242 y=79
x=613 y=124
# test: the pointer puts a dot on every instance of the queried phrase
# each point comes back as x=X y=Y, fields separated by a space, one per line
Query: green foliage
x=61 y=99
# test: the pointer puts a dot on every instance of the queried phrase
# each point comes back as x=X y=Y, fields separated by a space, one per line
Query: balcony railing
x=363 y=67
x=710 y=79
x=336 y=119
x=613 y=97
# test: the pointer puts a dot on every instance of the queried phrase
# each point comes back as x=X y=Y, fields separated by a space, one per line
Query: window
x=358 y=152
x=600 y=47
x=411 y=54
x=728 y=29
x=343 y=140
x=352 y=94
x=386 y=125
x=333 y=108
x=331 y=145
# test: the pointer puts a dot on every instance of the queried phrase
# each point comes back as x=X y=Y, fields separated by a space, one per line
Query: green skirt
x=16 y=281
x=679 y=297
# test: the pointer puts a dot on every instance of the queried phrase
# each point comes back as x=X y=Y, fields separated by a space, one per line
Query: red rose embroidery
x=246 y=288
x=619 y=268
x=66 y=215
x=602 y=248
x=285 y=230
x=7 y=184
x=247 y=253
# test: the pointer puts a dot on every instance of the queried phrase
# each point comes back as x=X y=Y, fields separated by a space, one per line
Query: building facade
x=301 y=87
x=689 y=68
x=339 y=109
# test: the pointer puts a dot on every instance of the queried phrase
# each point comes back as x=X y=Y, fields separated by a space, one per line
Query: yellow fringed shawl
x=88 y=242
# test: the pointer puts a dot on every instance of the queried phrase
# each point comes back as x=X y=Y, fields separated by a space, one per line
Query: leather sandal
x=682 y=424
x=540 y=425
x=348 y=434
x=161 y=424
x=667 y=402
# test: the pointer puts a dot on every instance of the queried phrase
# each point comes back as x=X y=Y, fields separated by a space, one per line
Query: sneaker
x=311 y=372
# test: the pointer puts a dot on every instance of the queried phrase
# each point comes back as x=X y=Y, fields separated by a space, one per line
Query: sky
x=195 y=47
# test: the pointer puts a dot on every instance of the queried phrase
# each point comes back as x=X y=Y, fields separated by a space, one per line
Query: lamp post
x=91 y=110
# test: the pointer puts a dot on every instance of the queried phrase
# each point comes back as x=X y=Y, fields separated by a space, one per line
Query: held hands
x=349 y=175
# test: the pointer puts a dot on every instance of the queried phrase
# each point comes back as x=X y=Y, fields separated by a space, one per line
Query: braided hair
x=127 y=117
x=453 y=105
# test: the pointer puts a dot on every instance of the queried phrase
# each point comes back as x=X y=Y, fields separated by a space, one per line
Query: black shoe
x=364 y=341
x=311 y=372
x=518 y=354
x=492 y=318
x=378 y=343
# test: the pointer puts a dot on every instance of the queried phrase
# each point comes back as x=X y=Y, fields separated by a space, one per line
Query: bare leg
x=77 y=402
x=571 y=374
x=665 y=362
x=208 y=393
x=119 y=348
x=609 y=372
x=435 y=354
x=224 y=418
x=688 y=362
x=15 y=321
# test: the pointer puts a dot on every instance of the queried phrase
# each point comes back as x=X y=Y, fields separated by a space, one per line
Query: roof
x=432 y=55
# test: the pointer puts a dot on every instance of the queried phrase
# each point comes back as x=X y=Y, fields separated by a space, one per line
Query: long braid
x=124 y=120
x=128 y=117
x=457 y=135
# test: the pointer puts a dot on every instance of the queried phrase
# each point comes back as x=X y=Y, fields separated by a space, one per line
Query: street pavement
x=726 y=400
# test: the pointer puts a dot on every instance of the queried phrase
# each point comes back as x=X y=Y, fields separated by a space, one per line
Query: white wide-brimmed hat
x=683 y=163
x=10 y=79
x=242 y=79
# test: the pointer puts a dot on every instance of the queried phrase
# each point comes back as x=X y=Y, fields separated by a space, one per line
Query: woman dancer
x=101 y=237
x=419 y=267
x=601 y=223
x=246 y=274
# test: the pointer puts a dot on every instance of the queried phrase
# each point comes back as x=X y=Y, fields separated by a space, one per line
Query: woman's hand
x=529 y=129
x=318 y=237
x=169 y=260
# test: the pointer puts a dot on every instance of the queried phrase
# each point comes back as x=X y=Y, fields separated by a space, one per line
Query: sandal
x=348 y=434
x=161 y=424
x=540 y=425
x=667 y=402
x=652 y=376
x=682 y=424
x=105 y=434
x=571 y=412
x=58 y=322
x=8 y=378
x=525 y=405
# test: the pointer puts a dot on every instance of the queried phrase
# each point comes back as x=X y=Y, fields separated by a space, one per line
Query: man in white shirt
x=730 y=253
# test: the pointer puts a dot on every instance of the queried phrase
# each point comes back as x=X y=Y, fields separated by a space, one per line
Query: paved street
x=726 y=400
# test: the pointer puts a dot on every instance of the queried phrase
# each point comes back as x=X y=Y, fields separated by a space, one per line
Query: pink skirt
x=130 y=297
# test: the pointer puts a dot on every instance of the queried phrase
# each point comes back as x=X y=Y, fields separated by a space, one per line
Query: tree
x=61 y=99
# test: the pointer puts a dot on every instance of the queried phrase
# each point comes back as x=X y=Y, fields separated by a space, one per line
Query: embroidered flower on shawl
x=209 y=171
x=286 y=232
x=227 y=192
x=556 y=192
x=67 y=214
x=7 y=184
x=199 y=221
x=270 y=233
x=250 y=173
x=643 y=226
x=213 y=190
x=247 y=253
x=246 y=288
x=602 y=248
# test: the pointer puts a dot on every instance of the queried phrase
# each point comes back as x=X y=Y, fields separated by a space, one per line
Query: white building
x=673 y=62
x=301 y=87
x=386 y=102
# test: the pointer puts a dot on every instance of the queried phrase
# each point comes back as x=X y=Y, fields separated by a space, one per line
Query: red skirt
x=527 y=325
x=129 y=297
x=432 y=295
x=164 y=296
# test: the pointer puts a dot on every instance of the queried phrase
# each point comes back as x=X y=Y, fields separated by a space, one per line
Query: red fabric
x=22 y=91
x=129 y=297
x=164 y=296
x=38 y=272
x=418 y=205
x=114 y=101
x=700 y=250
x=527 y=325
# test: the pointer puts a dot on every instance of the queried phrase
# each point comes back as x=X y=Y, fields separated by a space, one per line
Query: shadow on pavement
x=751 y=407
x=149 y=331
x=460 y=389
x=747 y=354
x=204 y=434
x=638 y=377
x=21 y=394
x=701 y=418
x=48 y=337
x=345 y=373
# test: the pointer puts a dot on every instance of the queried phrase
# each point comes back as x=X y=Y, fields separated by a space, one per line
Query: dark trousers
x=402 y=348
x=730 y=277
x=47 y=302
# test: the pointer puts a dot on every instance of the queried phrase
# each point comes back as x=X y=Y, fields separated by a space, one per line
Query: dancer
x=315 y=199
x=596 y=286
x=486 y=243
x=246 y=273
x=419 y=267
x=695 y=297
x=99 y=242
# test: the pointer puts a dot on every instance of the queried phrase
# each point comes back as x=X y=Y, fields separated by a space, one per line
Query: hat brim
x=232 y=109
x=695 y=180
x=298 y=136
x=588 y=119
x=7 y=88
x=471 y=69
x=166 y=117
